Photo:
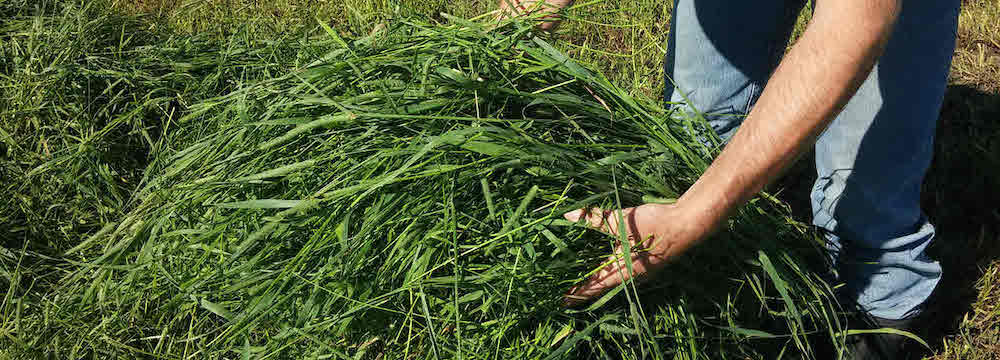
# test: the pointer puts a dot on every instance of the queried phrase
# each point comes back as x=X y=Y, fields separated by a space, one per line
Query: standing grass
x=977 y=53
x=979 y=335
x=625 y=39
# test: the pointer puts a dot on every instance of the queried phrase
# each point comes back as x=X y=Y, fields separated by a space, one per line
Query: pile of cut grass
x=81 y=111
x=86 y=98
x=400 y=197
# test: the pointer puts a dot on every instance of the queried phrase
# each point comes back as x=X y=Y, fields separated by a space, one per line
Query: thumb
x=574 y=215
x=595 y=218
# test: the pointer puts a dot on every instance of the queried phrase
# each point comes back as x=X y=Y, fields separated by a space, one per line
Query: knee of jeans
x=723 y=106
x=824 y=197
x=864 y=212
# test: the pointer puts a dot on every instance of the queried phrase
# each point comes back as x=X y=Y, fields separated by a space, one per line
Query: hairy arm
x=811 y=85
x=809 y=88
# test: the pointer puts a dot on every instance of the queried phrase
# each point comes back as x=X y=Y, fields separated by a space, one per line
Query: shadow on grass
x=960 y=196
x=962 y=199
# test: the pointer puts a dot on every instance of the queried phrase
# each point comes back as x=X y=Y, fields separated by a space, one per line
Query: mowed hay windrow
x=401 y=197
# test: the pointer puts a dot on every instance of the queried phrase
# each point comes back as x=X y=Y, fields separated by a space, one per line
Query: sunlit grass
x=89 y=99
x=398 y=195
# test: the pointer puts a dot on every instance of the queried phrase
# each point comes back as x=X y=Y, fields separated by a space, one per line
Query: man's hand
x=512 y=8
x=656 y=233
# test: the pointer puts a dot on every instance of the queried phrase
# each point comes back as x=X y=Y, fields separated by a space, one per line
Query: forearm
x=809 y=88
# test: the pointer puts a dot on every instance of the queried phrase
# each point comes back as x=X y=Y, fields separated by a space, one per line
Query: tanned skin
x=811 y=85
x=524 y=7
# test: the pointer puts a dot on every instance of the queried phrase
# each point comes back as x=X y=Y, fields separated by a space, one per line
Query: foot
x=880 y=346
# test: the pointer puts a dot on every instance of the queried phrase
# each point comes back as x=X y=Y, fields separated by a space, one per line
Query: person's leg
x=721 y=53
x=871 y=161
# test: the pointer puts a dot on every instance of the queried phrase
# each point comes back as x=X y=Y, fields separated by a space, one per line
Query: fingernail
x=573 y=290
x=574 y=215
x=569 y=299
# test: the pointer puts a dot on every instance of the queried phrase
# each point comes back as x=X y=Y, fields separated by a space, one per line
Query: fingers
x=606 y=279
x=616 y=270
x=576 y=215
x=604 y=220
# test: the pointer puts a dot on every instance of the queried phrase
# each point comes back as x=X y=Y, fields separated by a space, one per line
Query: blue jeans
x=870 y=161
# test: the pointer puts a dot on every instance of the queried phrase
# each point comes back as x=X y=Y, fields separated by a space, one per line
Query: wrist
x=702 y=213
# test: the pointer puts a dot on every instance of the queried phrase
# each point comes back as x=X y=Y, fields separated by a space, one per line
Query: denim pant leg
x=871 y=161
x=721 y=53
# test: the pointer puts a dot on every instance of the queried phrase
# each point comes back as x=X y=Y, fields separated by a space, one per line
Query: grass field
x=625 y=39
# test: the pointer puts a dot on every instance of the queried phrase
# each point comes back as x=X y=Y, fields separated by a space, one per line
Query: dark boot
x=881 y=346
